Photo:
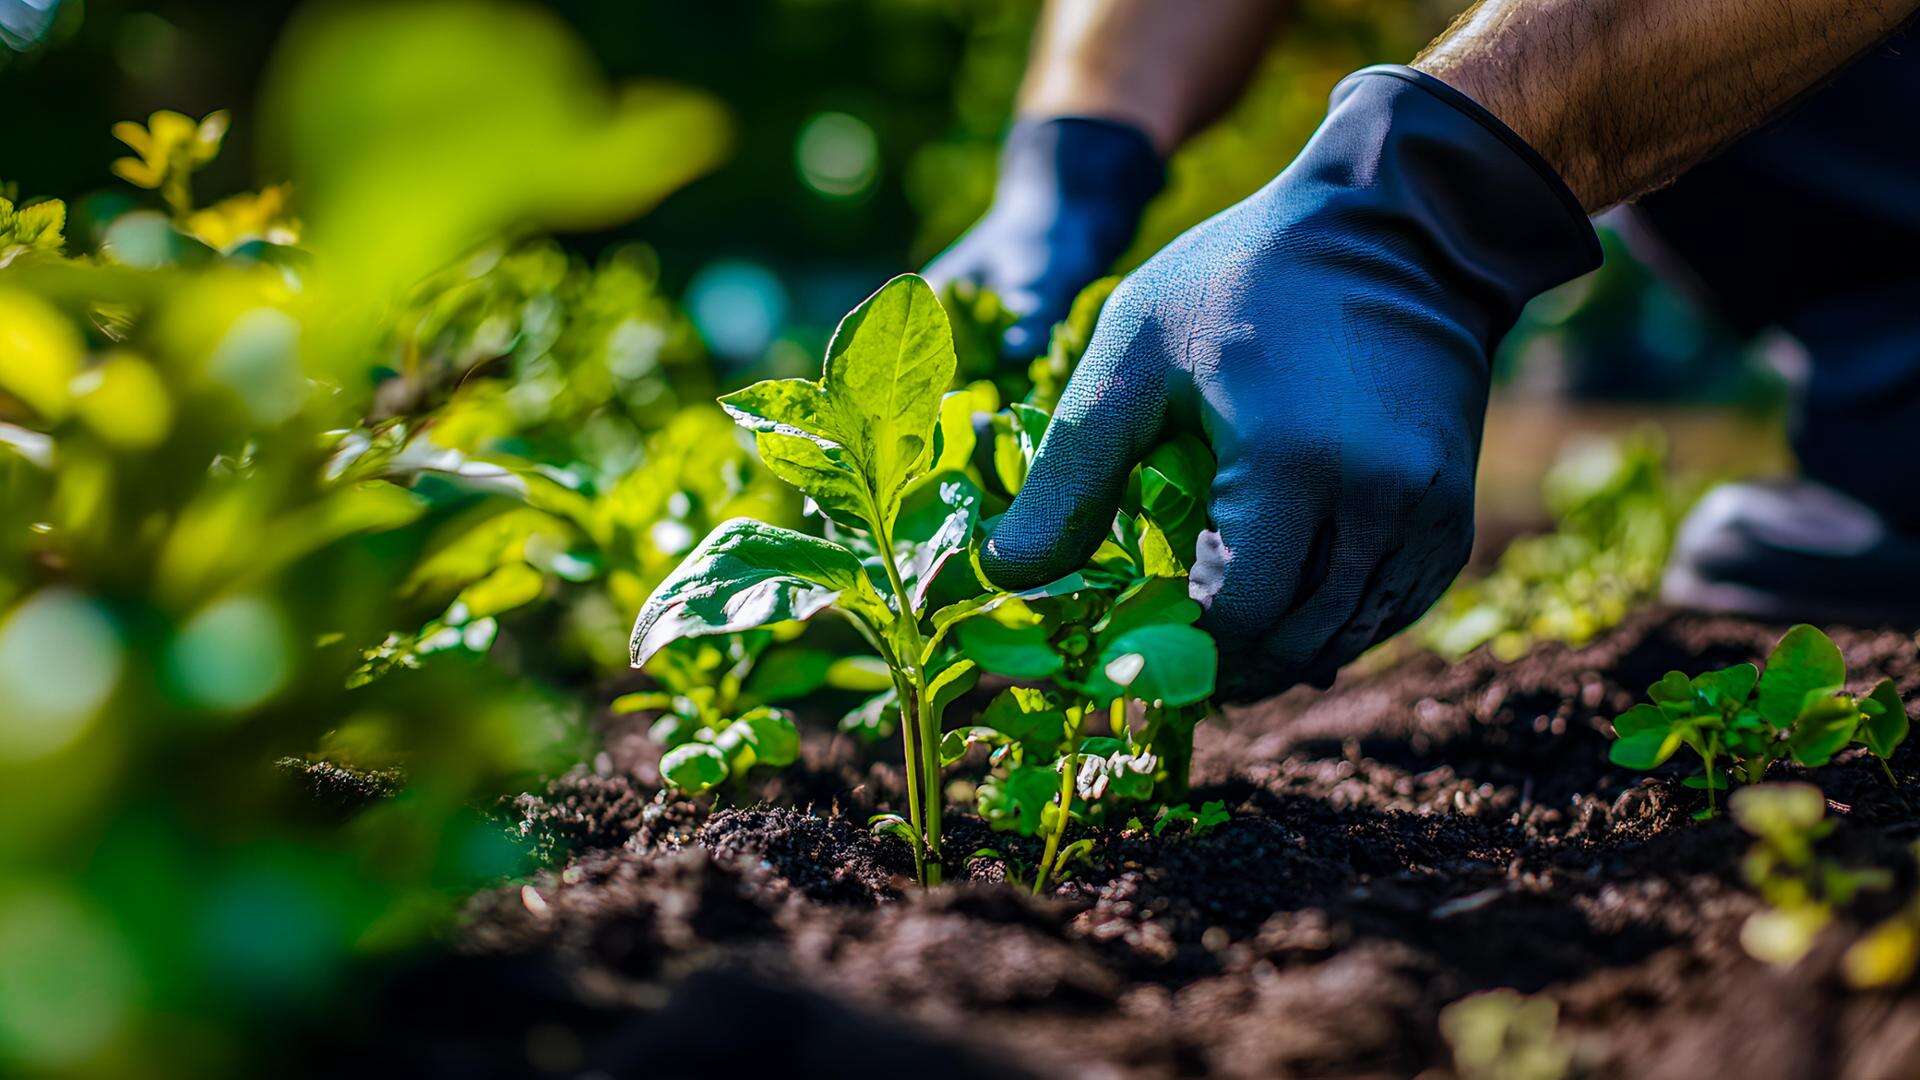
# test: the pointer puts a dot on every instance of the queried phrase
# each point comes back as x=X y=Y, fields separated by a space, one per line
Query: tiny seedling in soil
x=887 y=457
x=1740 y=721
x=1801 y=887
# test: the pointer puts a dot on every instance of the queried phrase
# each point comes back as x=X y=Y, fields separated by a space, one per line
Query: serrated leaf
x=1804 y=660
x=747 y=574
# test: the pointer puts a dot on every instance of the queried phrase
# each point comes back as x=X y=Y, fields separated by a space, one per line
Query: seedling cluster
x=1740 y=721
x=1112 y=674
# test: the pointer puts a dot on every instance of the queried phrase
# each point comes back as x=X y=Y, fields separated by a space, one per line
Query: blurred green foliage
x=1615 y=510
x=236 y=472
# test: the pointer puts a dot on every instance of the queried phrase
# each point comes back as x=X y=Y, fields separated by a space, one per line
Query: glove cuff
x=1086 y=159
x=1505 y=223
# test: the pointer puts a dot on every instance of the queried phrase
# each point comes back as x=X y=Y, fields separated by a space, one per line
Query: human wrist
x=1505 y=225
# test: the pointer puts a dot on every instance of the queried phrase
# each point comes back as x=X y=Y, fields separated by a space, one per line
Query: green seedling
x=1505 y=1035
x=1740 y=721
x=888 y=460
x=716 y=700
x=1801 y=887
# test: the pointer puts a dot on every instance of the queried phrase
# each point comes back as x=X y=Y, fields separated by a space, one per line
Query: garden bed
x=1410 y=837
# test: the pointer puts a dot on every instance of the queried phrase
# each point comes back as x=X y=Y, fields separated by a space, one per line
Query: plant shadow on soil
x=1417 y=833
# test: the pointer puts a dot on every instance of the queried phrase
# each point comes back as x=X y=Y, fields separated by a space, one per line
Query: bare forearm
x=1621 y=96
x=1167 y=66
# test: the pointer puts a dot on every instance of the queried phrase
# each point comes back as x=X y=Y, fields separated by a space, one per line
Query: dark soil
x=1410 y=837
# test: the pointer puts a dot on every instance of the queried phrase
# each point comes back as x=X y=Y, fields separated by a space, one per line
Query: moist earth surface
x=1418 y=833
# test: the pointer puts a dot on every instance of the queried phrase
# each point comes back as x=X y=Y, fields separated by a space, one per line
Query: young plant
x=1800 y=711
x=1801 y=887
x=888 y=460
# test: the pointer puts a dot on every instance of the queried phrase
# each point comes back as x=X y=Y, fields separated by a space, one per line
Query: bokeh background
x=326 y=508
x=865 y=140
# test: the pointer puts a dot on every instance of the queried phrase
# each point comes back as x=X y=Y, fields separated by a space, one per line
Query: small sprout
x=1801 y=887
x=1211 y=816
x=694 y=768
x=1505 y=1035
x=1740 y=721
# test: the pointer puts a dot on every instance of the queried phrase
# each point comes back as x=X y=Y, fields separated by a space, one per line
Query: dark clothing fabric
x=1812 y=224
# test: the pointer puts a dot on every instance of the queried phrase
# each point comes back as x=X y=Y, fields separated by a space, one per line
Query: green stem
x=934 y=801
x=1068 y=776
x=920 y=742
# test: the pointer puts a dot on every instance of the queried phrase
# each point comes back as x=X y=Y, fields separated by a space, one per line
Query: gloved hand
x=1068 y=200
x=1329 y=337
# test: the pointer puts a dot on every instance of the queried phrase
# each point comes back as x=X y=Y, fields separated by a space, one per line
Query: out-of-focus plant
x=1615 y=511
x=199 y=556
x=1802 y=887
x=1799 y=712
x=1505 y=1035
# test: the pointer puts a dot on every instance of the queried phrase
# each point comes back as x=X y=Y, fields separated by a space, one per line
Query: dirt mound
x=1414 y=835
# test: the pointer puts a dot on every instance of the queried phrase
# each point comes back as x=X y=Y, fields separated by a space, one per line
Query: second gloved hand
x=1066 y=205
x=1329 y=337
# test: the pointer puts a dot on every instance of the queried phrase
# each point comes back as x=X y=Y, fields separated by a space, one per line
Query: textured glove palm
x=1329 y=337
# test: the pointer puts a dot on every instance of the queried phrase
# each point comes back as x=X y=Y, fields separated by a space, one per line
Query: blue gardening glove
x=1329 y=336
x=1067 y=203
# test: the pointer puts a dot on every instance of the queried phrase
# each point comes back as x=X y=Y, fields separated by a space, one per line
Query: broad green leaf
x=863 y=673
x=771 y=734
x=1017 y=800
x=1805 y=660
x=1171 y=663
x=503 y=590
x=889 y=362
x=959 y=611
x=1885 y=730
x=821 y=473
x=954 y=744
x=1644 y=749
x=1179 y=470
x=953 y=680
x=1020 y=652
x=747 y=574
x=1713 y=780
x=695 y=768
x=787 y=673
x=954 y=439
x=1824 y=727
x=1728 y=685
x=796 y=407
x=1640 y=718
x=1674 y=688
x=1154 y=600
x=1023 y=714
